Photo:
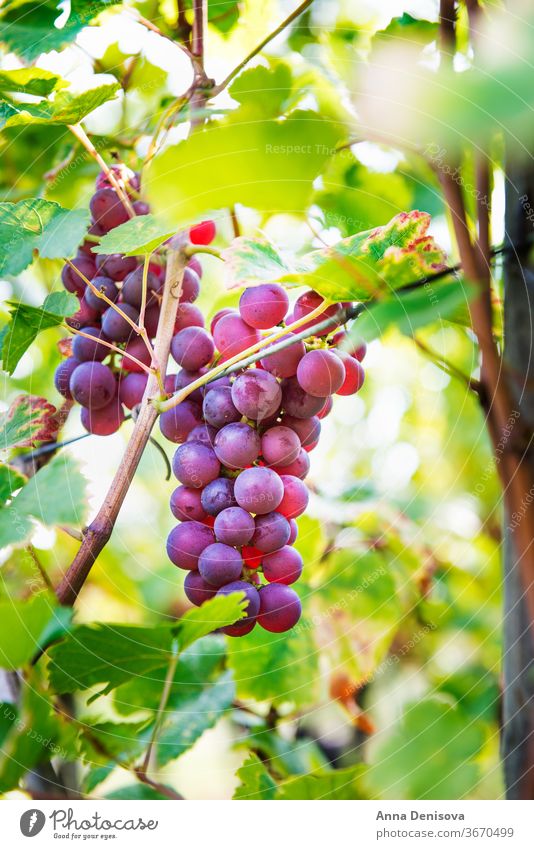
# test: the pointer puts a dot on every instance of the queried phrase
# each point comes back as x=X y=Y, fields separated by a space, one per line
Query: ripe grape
x=63 y=374
x=185 y=378
x=195 y=265
x=264 y=306
x=115 y=326
x=105 y=420
x=109 y=289
x=294 y=531
x=280 y=608
x=92 y=385
x=107 y=209
x=234 y=526
x=259 y=490
x=232 y=335
x=252 y=599
x=131 y=389
x=186 y=505
x=295 y=498
x=192 y=348
x=190 y=286
x=186 y=542
x=272 y=531
x=132 y=288
x=220 y=314
x=251 y=556
x=140 y=207
x=116 y=266
x=256 y=394
x=72 y=281
x=344 y=342
x=197 y=589
x=138 y=349
x=151 y=320
x=280 y=446
x=283 y=566
x=218 y=408
x=320 y=373
x=307 y=430
x=308 y=302
x=188 y=315
x=85 y=349
x=237 y=445
x=218 y=495
x=284 y=363
x=83 y=317
x=178 y=422
x=203 y=233
x=195 y=464
x=220 y=564
x=299 y=468
x=297 y=402
x=202 y=433
x=354 y=374
x=323 y=412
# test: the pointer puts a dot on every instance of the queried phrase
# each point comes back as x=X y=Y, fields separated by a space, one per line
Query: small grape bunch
x=102 y=381
x=243 y=454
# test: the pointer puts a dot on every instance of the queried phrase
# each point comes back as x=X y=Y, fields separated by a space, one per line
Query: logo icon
x=32 y=822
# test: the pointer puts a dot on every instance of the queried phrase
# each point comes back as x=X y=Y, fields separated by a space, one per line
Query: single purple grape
x=259 y=490
x=218 y=407
x=72 y=281
x=184 y=378
x=116 y=327
x=192 y=348
x=220 y=564
x=234 y=526
x=85 y=349
x=177 y=423
x=283 y=566
x=190 y=286
x=195 y=464
x=116 y=266
x=92 y=385
x=233 y=336
x=104 y=421
x=237 y=445
x=188 y=315
x=271 y=532
x=307 y=430
x=132 y=288
x=256 y=394
x=298 y=403
x=218 y=495
x=186 y=505
x=280 y=446
x=264 y=306
x=107 y=287
x=107 y=209
x=280 y=608
x=296 y=497
x=197 y=589
x=203 y=433
x=186 y=542
x=294 y=532
x=63 y=374
x=299 y=468
x=132 y=388
x=321 y=373
x=284 y=363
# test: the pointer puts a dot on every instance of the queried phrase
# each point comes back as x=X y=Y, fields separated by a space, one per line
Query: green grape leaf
x=39 y=500
x=264 y=90
x=34 y=81
x=249 y=262
x=268 y=668
x=24 y=628
x=334 y=785
x=265 y=164
x=122 y=742
x=65 y=108
x=38 y=225
x=28 y=28
x=256 y=783
x=10 y=481
x=136 y=792
x=140 y=235
x=407 y=29
x=28 y=420
x=27 y=322
x=440 y=743
x=373 y=262
x=413 y=309
x=111 y=655
x=181 y=729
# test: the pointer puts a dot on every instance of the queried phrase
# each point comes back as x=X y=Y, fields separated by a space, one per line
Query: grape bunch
x=103 y=381
x=244 y=450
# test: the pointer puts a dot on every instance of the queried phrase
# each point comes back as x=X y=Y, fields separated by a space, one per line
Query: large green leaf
x=24 y=627
x=65 y=108
x=38 y=225
x=430 y=755
x=335 y=785
x=28 y=420
x=266 y=164
x=54 y=496
x=28 y=29
x=27 y=322
x=111 y=655
x=182 y=728
x=256 y=783
x=269 y=667
x=409 y=310
x=34 y=81
x=249 y=262
x=140 y=235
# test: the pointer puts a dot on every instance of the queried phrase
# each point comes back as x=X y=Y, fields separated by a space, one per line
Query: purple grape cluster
x=103 y=382
x=243 y=452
